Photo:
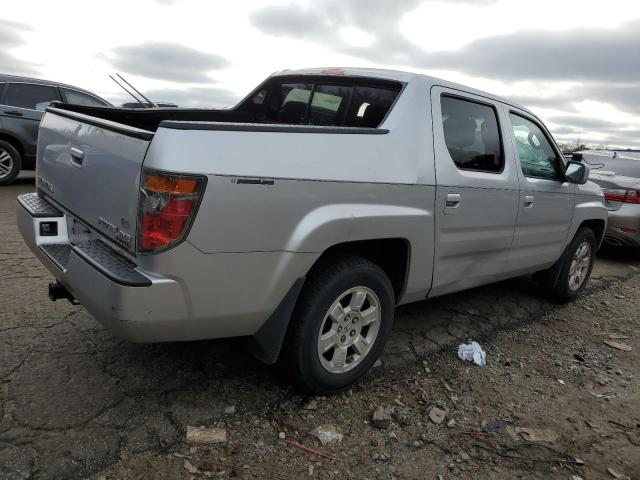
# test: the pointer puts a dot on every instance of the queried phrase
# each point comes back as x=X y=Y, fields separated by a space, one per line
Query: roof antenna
x=137 y=91
x=124 y=88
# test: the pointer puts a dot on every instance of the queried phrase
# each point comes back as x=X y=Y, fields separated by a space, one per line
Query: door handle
x=453 y=200
x=14 y=113
x=528 y=201
x=77 y=157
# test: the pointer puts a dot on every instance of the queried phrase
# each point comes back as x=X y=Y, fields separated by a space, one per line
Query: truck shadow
x=420 y=328
x=431 y=325
x=163 y=365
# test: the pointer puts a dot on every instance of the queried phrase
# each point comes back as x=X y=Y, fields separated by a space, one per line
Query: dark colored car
x=22 y=104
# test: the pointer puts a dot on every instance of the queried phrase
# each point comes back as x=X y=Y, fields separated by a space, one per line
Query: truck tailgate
x=92 y=168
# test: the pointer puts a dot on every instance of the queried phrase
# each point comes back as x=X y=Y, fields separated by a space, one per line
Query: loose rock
x=437 y=415
x=381 y=418
x=188 y=466
x=310 y=405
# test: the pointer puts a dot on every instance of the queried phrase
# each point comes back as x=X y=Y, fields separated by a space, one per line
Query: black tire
x=300 y=355
x=561 y=288
x=16 y=163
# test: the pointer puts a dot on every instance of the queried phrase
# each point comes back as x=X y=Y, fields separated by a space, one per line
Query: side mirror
x=577 y=172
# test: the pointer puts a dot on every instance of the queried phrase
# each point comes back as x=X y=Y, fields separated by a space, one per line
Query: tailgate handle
x=77 y=157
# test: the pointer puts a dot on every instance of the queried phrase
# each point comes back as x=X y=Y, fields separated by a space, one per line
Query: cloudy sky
x=576 y=63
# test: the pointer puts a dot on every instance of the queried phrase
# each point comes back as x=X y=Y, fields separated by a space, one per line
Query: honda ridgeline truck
x=304 y=215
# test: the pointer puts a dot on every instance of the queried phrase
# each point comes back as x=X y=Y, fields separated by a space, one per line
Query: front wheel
x=340 y=325
x=576 y=267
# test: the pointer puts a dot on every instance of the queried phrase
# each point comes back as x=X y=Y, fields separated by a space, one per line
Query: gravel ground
x=554 y=400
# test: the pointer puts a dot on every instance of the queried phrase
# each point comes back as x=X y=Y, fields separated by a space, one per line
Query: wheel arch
x=392 y=255
x=14 y=142
x=598 y=227
x=589 y=212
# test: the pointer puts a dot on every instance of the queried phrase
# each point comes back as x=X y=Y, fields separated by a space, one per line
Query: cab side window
x=31 y=96
x=537 y=157
x=472 y=135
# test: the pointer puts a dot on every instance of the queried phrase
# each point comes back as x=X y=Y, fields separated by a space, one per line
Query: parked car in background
x=301 y=217
x=618 y=174
x=22 y=105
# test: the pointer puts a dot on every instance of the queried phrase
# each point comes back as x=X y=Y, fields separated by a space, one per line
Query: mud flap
x=266 y=343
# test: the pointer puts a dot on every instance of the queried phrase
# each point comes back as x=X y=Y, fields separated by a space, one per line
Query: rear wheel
x=340 y=325
x=577 y=264
x=10 y=163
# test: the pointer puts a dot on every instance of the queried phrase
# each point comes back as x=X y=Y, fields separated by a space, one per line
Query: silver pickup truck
x=304 y=215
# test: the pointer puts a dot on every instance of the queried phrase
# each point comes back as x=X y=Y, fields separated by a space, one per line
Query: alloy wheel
x=6 y=163
x=349 y=329
x=579 y=267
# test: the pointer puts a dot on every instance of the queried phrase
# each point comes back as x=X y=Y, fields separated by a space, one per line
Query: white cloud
x=257 y=37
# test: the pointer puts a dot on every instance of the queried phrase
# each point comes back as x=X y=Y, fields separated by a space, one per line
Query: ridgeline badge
x=118 y=235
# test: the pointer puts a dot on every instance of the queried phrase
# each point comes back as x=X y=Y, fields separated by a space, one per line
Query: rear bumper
x=624 y=226
x=131 y=303
x=179 y=295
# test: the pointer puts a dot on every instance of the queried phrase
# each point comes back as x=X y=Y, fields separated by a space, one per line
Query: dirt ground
x=553 y=402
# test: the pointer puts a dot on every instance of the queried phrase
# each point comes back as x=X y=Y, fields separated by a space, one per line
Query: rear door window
x=31 y=96
x=75 y=97
x=472 y=134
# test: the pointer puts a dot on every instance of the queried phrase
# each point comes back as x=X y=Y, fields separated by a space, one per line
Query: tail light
x=623 y=195
x=168 y=204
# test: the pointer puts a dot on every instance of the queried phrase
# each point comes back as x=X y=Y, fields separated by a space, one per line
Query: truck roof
x=397 y=75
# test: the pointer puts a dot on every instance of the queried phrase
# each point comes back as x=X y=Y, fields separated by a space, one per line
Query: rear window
x=288 y=103
x=327 y=104
x=370 y=105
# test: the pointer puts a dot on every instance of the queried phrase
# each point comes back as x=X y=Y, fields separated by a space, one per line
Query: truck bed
x=149 y=119
x=375 y=98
